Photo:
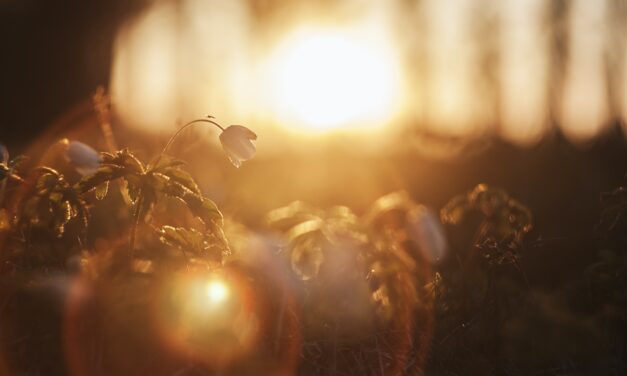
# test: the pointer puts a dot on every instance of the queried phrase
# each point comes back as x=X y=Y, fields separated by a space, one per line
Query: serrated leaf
x=104 y=174
x=82 y=213
x=106 y=156
x=66 y=211
x=203 y=208
x=184 y=239
x=17 y=161
x=182 y=177
x=517 y=217
x=189 y=241
x=124 y=159
x=305 y=228
x=170 y=236
x=60 y=229
x=47 y=170
x=130 y=161
x=101 y=190
x=4 y=171
x=391 y=201
x=455 y=210
x=56 y=197
x=133 y=187
x=488 y=200
x=282 y=219
x=46 y=182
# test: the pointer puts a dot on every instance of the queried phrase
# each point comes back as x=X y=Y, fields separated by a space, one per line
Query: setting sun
x=323 y=80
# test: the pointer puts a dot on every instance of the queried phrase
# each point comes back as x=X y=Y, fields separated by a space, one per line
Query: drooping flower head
x=237 y=143
x=83 y=157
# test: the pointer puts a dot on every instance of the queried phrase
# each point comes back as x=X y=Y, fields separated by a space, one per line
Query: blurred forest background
x=532 y=93
x=527 y=95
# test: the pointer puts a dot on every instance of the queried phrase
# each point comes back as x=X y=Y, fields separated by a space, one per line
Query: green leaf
x=189 y=241
x=56 y=197
x=130 y=161
x=46 y=182
x=184 y=239
x=82 y=213
x=17 y=161
x=133 y=185
x=182 y=177
x=487 y=199
x=283 y=219
x=518 y=218
x=4 y=171
x=101 y=190
x=203 y=208
x=305 y=228
x=125 y=159
x=104 y=174
x=392 y=201
x=455 y=210
x=66 y=211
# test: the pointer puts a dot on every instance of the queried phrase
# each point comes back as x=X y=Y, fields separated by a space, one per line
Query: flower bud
x=83 y=157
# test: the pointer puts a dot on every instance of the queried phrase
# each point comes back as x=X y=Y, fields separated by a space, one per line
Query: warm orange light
x=328 y=79
x=217 y=292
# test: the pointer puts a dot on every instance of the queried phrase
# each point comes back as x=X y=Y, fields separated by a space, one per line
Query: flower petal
x=240 y=129
x=236 y=143
x=85 y=159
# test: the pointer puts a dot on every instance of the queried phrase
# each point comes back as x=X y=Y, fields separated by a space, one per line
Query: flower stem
x=171 y=140
x=136 y=217
x=175 y=135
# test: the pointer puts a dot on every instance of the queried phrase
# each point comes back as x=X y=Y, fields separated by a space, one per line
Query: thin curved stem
x=175 y=135
x=171 y=140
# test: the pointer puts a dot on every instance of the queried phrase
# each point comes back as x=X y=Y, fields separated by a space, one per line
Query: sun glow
x=217 y=292
x=327 y=79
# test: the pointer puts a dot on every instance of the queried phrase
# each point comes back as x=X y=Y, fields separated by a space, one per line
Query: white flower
x=425 y=231
x=236 y=141
x=83 y=157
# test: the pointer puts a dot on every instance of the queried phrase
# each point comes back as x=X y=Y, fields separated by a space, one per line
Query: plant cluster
x=397 y=290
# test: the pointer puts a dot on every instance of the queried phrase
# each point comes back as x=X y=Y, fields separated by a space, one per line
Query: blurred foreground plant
x=47 y=199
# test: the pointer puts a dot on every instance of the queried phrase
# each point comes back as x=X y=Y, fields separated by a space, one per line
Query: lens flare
x=217 y=292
